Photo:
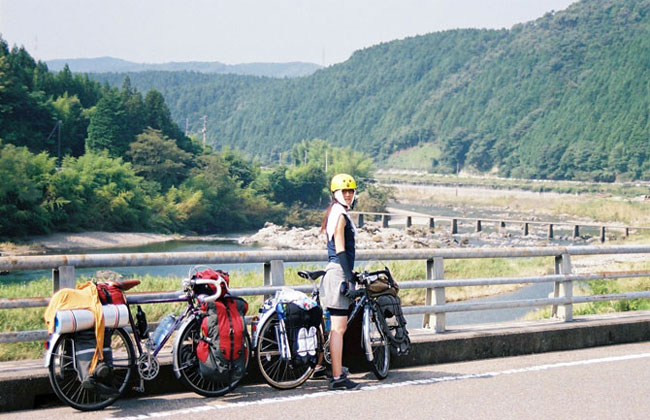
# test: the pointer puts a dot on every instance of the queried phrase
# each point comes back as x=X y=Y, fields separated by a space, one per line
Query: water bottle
x=328 y=321
x=162 y=329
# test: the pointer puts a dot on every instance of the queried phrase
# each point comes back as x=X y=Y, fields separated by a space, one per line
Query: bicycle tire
x=65 y=380
x=279 y=373
x=188 y=363
x=375 y=342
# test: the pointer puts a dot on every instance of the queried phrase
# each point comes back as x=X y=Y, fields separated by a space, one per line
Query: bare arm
x=339 y=235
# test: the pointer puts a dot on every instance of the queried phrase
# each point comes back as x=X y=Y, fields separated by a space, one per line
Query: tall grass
x=605 y=287
x=620 y=211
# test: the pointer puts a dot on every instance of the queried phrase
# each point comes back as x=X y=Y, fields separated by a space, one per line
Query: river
x=225 y=244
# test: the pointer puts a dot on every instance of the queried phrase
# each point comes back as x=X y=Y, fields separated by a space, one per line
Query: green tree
x=98 y=192
x=223 y=205
x=74 y=125
x=25 y=177
x=107 y=129
x=157 y=115
x=157 y=158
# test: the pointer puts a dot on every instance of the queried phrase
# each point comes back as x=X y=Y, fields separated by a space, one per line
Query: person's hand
x=355 y=277
x=352 y=293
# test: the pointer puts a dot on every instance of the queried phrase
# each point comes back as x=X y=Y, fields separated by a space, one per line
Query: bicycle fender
x=47 y=360
x=177 y=342
x=265 y=316
x=365 y=334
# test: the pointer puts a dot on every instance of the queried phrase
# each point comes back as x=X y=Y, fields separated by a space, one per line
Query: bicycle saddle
x=311 y=275
x=124 y=284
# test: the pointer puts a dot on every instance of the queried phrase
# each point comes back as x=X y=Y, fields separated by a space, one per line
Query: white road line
x=366 y=388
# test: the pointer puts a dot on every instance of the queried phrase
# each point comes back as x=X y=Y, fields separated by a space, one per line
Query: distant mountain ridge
x=117 y=65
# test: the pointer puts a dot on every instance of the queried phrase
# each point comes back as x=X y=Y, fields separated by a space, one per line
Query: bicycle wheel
x=279 y=373
x=188 y=364
x=375 y=342
x=65 y=380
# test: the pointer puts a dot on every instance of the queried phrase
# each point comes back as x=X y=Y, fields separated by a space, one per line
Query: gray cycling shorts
x=330 y=288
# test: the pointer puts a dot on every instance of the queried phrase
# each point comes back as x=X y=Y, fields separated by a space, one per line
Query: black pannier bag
x=84 y=348
x=302 y=331
x=391 y=308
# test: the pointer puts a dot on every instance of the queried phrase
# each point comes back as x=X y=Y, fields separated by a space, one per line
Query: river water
x=225 y=244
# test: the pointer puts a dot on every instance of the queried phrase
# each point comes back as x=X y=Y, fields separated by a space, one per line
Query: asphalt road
x=598 y=383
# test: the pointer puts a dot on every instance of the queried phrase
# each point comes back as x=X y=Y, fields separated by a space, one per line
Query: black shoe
x=321 y=372
x=343 y=384
x=105 y=391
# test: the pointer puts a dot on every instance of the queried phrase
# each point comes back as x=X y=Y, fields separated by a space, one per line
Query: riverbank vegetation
x=606 y=287
x=77 y=156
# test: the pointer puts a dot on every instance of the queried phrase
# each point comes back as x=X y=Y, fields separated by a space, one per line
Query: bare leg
x=339 y=324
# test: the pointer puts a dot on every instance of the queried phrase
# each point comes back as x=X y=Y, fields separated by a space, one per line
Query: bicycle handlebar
x=366 y=277
x=190 y=283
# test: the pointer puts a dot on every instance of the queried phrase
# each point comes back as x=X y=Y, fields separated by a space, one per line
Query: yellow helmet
x=342 y=182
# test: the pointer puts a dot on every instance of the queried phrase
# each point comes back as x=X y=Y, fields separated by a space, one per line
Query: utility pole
x=59 y=123
x=205 y=127
x=187 y=126
x=325 y=160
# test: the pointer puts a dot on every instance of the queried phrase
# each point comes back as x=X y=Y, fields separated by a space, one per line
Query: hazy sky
x=242 y=31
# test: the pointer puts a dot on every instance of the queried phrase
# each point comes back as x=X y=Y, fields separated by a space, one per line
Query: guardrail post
x=432 y=223
x=436 y=295
x=563 y=288
x=478 y=226
x=525 y=229
x=409 y=221
x=384 y=220
x=273 y=274
x=63 y=278
x=360 y=220
x=454 y=226
x=627 y=232
x=576 y=232
x=550 y=231
x=602 y=234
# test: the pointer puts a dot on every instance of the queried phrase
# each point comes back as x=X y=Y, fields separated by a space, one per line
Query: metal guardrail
x=435 y=305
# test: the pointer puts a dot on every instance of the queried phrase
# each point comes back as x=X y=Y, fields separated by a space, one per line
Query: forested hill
x=564 y=96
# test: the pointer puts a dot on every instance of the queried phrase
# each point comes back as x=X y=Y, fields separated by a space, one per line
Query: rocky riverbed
x=372 y=235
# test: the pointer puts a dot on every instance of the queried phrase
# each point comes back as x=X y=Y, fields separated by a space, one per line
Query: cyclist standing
x=335 y=291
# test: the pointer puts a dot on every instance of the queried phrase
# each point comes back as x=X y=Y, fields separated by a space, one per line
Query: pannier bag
x=383 y=285
x=301 y=325
x=391 y=308
x=84 y=348
x=221 y=352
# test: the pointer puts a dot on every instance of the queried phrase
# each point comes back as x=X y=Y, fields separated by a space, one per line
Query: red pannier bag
x=223 y=352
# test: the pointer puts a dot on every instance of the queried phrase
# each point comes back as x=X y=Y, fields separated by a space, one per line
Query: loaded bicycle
x=134 y=352
x=271 y=340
